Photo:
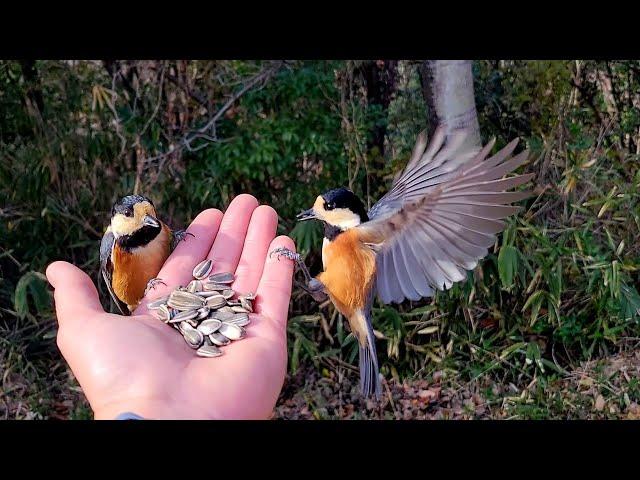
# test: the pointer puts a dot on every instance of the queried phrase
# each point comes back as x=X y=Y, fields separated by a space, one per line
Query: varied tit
x=439 y=218
x=133 y=249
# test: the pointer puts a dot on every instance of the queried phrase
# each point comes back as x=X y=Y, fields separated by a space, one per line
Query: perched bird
x=133 y=249
x=438 y=220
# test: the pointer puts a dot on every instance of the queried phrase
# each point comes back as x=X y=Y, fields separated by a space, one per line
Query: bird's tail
x=369 y=373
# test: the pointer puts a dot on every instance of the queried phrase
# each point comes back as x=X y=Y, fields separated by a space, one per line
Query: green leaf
x=33 y=283
x=507 y=265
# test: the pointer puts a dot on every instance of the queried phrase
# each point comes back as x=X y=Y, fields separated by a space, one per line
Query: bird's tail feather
x=369 y=372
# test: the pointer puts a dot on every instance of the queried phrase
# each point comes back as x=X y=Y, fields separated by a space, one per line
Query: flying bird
x=438 y=219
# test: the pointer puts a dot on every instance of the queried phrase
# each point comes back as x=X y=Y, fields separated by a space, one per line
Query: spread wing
x=441 y=215
x=106 y=268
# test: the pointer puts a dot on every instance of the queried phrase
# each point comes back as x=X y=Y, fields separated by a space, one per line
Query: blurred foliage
x=560 y=286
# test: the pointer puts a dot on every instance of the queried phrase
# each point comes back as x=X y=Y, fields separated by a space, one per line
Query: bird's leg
x=151 y=284
x=313 y=287
x=179 y=236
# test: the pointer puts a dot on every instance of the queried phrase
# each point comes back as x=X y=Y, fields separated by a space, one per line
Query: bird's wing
x=441 y=215
x=106 y=268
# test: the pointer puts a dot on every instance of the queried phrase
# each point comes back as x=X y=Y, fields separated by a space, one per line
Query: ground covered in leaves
x=604 y=389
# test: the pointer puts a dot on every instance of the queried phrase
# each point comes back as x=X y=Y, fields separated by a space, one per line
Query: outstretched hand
x=138 y=364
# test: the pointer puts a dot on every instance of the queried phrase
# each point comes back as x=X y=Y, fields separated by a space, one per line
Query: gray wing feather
x=106 y=269
x=441 y=215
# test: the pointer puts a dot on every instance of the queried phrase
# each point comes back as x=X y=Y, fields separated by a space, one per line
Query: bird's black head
x=339 y=207
x=125 y=205
x=134 y=222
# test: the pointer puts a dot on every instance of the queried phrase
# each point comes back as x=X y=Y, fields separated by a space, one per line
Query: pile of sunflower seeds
x=204 y=311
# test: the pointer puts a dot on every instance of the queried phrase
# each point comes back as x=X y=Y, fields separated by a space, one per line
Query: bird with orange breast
x=437 y=221
x=133 y=249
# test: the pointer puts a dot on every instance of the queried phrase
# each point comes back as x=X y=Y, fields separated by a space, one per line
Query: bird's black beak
x=149 y=221
x=306 y=215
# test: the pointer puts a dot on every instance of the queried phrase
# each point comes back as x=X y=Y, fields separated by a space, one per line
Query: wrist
x=147 y=409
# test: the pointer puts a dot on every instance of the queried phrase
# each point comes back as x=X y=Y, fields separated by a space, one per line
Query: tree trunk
x=380 y=82
x=447 y=86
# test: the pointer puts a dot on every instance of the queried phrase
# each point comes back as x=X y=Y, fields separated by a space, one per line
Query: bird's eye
x=128 y=212
x=329 y=206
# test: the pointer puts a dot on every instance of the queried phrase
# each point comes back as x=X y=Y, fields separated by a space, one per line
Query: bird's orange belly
x=133 y=270
x=348 y=273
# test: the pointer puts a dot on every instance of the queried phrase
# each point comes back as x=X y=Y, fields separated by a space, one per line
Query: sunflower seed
x=218 y=287
x=225 y=278
x=231 y=331
x=185 y=300
x=228 y=293
x=163 y=313
x=239 y=309
x=209 y=351
x=215 y=302
x=194 y=286
x=240 y=319
x=184 y=316
x=203 y=269
x=250 y=296
x=222 y=315
x=219 y=339
x=157 y=303
x=209 y=326
x=203 y=313
x=193 y=337
x=225 y=309
x=207 y=293
x=246 y=304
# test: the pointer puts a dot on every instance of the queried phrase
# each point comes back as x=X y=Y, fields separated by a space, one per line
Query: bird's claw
x=151 y=285
x=285 y=252
x=181 y=235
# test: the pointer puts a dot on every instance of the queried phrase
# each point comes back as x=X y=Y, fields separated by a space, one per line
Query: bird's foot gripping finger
x=180 y=235
x=285 y=252
x=151 y=284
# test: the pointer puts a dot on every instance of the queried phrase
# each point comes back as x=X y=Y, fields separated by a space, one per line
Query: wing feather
x=106 y=268
x=441 y=215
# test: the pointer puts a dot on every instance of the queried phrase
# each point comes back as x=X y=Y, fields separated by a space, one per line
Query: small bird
x=438 y=220
x=133 y=249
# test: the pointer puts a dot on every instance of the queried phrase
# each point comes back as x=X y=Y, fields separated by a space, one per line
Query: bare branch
x=208 y=131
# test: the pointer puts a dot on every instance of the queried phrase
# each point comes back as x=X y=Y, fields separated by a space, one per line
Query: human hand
x=138 y=364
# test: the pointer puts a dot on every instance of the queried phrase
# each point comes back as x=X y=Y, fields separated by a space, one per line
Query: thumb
x=75 y=295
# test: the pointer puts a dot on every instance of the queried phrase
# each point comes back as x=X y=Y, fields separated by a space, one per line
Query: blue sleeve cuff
x=129 y=416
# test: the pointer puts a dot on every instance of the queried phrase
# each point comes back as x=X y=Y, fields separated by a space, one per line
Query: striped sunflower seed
x=193 y=337
x=224 y=278
x=240 y=319
x=207 y=327
x=239 y=309
x=184 y=316
x=231 y=331
x=246 y=304
x=194 y=286
x=223 y=316
x=157 y=303
x=218 y=287
x=185 y=300
x=203 y=313
x=203 y=269
x=215 y=302
x=228 y=293
x=208 y=351
x=207 y=293
x=218 y=339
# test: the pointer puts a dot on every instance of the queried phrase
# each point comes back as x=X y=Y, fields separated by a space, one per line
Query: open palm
x=139 y=364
